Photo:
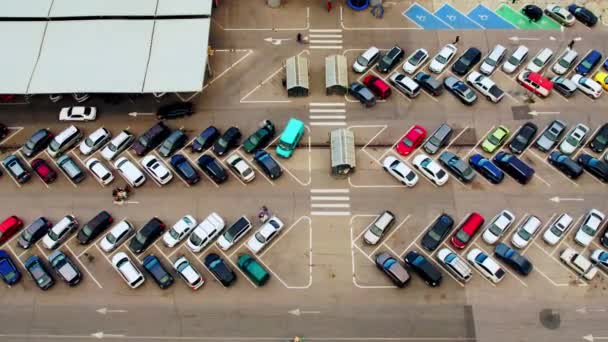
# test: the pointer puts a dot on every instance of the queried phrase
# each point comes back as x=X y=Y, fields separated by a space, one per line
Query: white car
x=443 y=58
x=366 y=59
x=486 y=265
x=515 y=60
x=565 y=61
x=400 y=171
x=265 y=234
x=498 y=227
x=600 y=258
x=241 y=168
x=59 y=232
x=454 y=264
x=116 y=236
x=526 y=231
x=558 y=229
x=540 y=60
x=205 y=232
x=188 y=273
x=100 y=171
x=574 y=139
x=78 y=113
x=588 y=86
x=430 y=169
x=120 y=143
x=130 y=172
x=578 y=263
x=379 y=228
x=485 y=86
x=157 y=169
x=560 y=14
x=179 y=231
x=94 y=141
x=590 y=226
x=127 y=270
x=415 y=61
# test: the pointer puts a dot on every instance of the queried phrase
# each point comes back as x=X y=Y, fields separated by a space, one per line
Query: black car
x=437 y=232
x=566 y=165
x=228 y=140
x=600 y=140
x=390 y=59
x=515 y=260
x=466 y=61
x=176 y=140
x=429 y=83
x=158 y=272
x=212 y=168
x=426 y=270
x=184 y=169
x=65 y=268
x=583 y=15
x=463 y=92
x=38 y=271
x=270 y=167
x=175 y=110
x=17 y=169
x=523 y=138
x=362 y=93
x=594 y=166
x=3 y=131
x=206 y=139
x=533 y=12
x=151 y=139
x=220 y=269
x=260 y=138
x=94 y=227
x=37 y=142
x=146 y=235
x=34 y=232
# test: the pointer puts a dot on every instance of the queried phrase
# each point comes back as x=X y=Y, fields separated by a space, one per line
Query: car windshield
x=174 y=234
x=261 y=238
x=434 y=141
x=222 y=142
x=480 y=258
x=524 y=234
x=551 y=135
x=407 y=142
x=588 y=230
x=140 y=238
x=362 y=61
x=433 y=234
x=416 y=58
x=493 y=139
x=441 y=59
x=54 y=236
x=143 y=140
x=254 y=139
x=556 y=231
x=111 y=238
x=376 y=231
x=586 y=64
x=463 y=236
x=181 y=267
x=495 y=229
x=410 y=176
x=54 y=145
x=465 y=60
x=564 y=63
x=440 y=174
x=489 y=61
x=27 y=235
x=425 y=163
x=538 y=62
x=89 y=142
x=513 y=60
x=196 y=240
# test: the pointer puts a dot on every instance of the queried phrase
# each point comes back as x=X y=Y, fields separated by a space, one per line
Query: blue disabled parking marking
x=488 y=19
x=455 y=18
x=424 y=18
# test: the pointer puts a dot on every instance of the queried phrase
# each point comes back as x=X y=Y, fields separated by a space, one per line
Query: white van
x=64 y=141
x=540 y=60
x=565 y=62
x=130 y=172
x=516 y=59
x=493 y=59
x=366 y=59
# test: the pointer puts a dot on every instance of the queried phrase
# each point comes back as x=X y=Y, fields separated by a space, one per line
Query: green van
x=293 y=132
x=253 y=270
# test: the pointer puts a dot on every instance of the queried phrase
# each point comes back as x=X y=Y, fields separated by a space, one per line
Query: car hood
x=489 y=237
x=370 y=237
x=105 y=245
x=169 y=240
x=518 y=241
x=254 y=244
x=136 y=246
x=583 y=238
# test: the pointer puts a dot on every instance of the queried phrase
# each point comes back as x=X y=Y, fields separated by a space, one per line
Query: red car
x=535 y=83
x=411 y=140
x=9 y=227
x=44 y=170
x=377 y=86
x=467 y=230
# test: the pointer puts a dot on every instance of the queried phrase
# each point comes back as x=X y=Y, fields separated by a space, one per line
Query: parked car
x=184 y=169
x=220 y=269
x=127 y=270
x=377 y=85
x=156 y=168
x=117 y=145
x=466 y=61
x=64 y=141
x=464 y=94
x=400 y=171
x=458 y=167
x=565 y=61
x=60 y=232
x=34 y=232
x=406 y=85
x=578 y=263
x=513 y=259
x=193 y=278
x=567 y=166
x=234 y=233
x=381 y=225
x=485 y=86
x=9 y=273
x=44 y=170
x=533 y=12
x=438 y=139
x=100 y=171
x=94 y=227
x=535 y=83
x=430 y=84
x=206 y=139
x=37 y=142
x=583 y=15
x=362 y=93
x=253 y=270
x=205 y=232
x=486 y=168
x=9 y=227
x=526 y=231
x=442 y=58
x=175 y=141
x=393 y=269
x=424 y=268
x=268 y=231
x=241 y=168
x=159 y=274
x=116 y=236
x=559 y=14
x=430 y=169
x=260 y=138
x=594 y=166
x=175 y=110
x=151 y=139
x=514 y=167
x=180 y=230
x=564 y=85
x=516 y=59
x=498 y=227
x=466 y=230
x=495 y=139
x=227 y=141
x=599 y=257
x=599 y=142
x=415 y=60
x=539 y=61
x=411 y=140
x=131 y=173
x=95 y=141
x=551 y=135
x=588 y=86
x=590 y=226
x=437 y=232
x=574 y=139
x=390 y=59
x=146 y=236
x=557 y=230
x=39 y=272
x=16 y=168
x=212 y=168
x=78 y=113
x=487 y=266
x=366 y=60
x=454 y=265
x=588 y=63
x=65 y=268
x=268 y=165
x=523 y=138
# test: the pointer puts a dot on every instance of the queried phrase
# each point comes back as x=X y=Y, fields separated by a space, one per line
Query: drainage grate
x=520 y=112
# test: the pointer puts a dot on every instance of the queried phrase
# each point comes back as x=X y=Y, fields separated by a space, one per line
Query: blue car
x=589 y=62
x=485 y=167
x=515 y=260
x=38 y=271
x=8 y=272
x=605 y=65
x=184 y=169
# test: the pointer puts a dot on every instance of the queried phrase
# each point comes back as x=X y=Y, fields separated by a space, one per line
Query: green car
x=495 y=139
x=260 y=138
x=253 y=270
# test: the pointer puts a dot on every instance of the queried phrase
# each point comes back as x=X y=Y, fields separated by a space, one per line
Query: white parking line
x=18 y=258
x=85 y=268
x=420 y=234
x=545 y=160
x=562 y=265
x=479 y=142
x=238 y=268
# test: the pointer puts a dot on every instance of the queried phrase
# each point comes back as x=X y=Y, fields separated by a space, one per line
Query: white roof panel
x=184 y=7
x=93 y=56
x=88 y=8
x=20 y=55
x=178 y=56
x=25 y=8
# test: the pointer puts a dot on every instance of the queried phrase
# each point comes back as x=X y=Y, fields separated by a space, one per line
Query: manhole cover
x=550 y=318
x=520 y=112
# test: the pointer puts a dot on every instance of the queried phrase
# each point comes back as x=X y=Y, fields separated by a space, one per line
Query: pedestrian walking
x=571 y=44
x=299 y=37
x=328 y=5
x=457 y=40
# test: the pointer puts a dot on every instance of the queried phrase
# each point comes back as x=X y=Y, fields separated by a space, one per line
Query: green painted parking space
x=547 y=23
x=516 y=18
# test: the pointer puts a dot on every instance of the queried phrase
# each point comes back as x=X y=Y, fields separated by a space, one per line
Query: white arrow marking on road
x=558 y=199
x=136 y=114
x=298 y=312
x=592 y=338
x=578 y=39
x=275 y=41
x=552 y=38
x=584 y=310
x=100 y=335
x=515 y=38
x=104 y=311
x=542 y=113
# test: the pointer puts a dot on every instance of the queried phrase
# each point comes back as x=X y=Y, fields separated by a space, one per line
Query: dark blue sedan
x=206 y=139
x=515 y=260
x=589 y=63
x=39 y=272
x=8 y=272
x=486 y=168
x=271 y=168
x=184 y=169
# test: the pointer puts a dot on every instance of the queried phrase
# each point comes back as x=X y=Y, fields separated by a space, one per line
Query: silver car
x=551 y=135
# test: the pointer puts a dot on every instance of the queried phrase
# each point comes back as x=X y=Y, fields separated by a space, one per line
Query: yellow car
x=602 y=79
x=495 y=139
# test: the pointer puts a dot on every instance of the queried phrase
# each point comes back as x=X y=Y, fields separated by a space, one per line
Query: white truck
x=485 y=86
x=578 y=263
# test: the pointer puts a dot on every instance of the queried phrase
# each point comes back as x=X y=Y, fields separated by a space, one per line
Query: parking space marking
x=563 y=265
x=420 y=234
x=85 y=268
x=486 y=18
x=18 y=258
x=478 y=142
x=60 y=169
x=424 y=19
x=41 y=251
x=452 y=141
x=10 y=136
x=545 y=160
x=105 y=256
x=228 y=69
x=237 y=268
x=504 y=267
x=549 y=279
x=432 y=260
x=455 y=18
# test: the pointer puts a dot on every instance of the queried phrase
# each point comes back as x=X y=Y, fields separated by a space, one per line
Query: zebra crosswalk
x=330 y=202
x=327 y=113
x=330 y=39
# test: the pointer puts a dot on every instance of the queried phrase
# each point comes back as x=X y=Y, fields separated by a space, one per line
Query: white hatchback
x=574 y=139
x=100 y=171
x=498 y=227
x=130 y=172
x=590 y=226
x=241 y=168
x=188 y=273
x=540 y=60
x=116 y=236
x=443 y=58
x=120 y=143
x=94 y=141
x=415 y=61
x=179 y=231
x=205 y=232
x=127 y=270
x=526 y=231
x=400 y=171
x=265 y=234
x=157 y=169
x=430 y=169
x=486 y=265
x=558 y=229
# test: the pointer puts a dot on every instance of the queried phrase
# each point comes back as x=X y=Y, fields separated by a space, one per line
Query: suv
x=366 y=59
x=37 y=142
x=175 y=110
x=551 y=135
x=65 y=268
x=151 y=139
x=454 y=264
x=438 y=139
x=425 y=269
x=514 y=167
x=158 y=272
x=16 y=168
x=71 y=169
x=379 y=227
x=94 y=227
x=260 y=138
x=118 y=144
x=34 y=232
x=390 y=59
x=64 y=141
x=146 y=235
x=233 y=234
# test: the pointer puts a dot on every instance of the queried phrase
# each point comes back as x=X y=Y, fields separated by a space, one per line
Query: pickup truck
x=485 y=86
x=578 y=263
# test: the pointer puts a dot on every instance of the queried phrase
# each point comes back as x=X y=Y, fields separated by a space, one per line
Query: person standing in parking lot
x=328 y=5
